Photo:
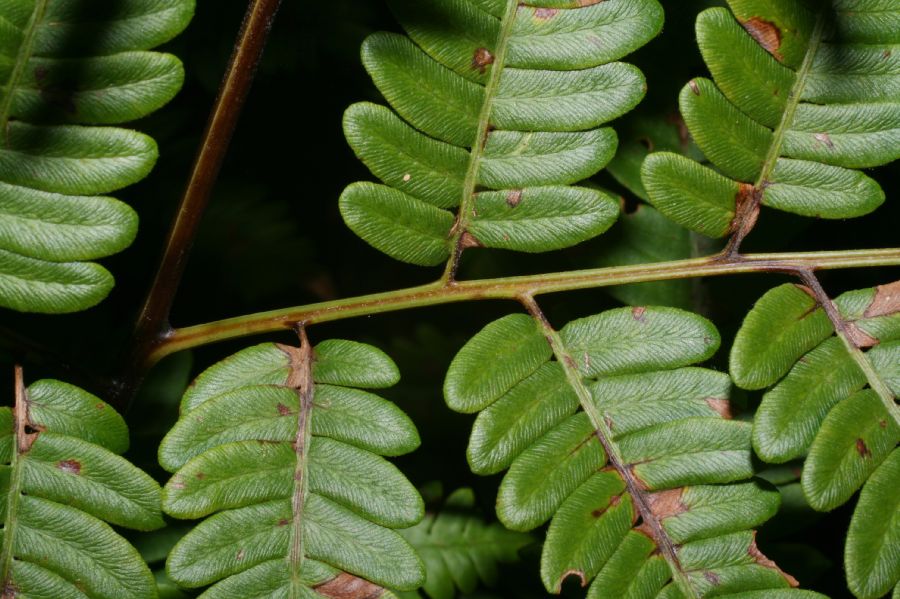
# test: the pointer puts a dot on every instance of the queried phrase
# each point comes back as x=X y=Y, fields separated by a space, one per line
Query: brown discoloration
x=27 y=432
x=240 y=555
x=576 y=573
x=638 y=312
x=200 y=475
x=862 y=449
x=347 y=586
x=721 y=406
x=545 y=14
x=616 y=500
x=665 y=504
x=283 y=410
x=100 y=406
x=886 y=54
x=882 y=423
x=885 y=302
x=177 y=483
x=584 y=3
x=858 y=337
x=469 y=241
x=824 y=138
x=758 y=556
x=694 y=87
x=570 y=362
x=712 y=577
x=766 y=34
x=10 y=591
x=69 y=466
x=482 y=59
x=746 y=212
x=295 y=361
x=514 y=198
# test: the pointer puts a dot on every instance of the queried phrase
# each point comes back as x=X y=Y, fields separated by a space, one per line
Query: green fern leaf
x=459 y=549
x=66 y=68
x=803 y=94
x=278 y=448
x=501 y=106
x=62 y=482
x=820 y=408
x=625 y=447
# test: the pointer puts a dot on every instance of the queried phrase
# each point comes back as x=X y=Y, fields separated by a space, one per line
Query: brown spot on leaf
x=284 y=522
x=10 y=591
x=545 y=14
x=347 y=586
x=721 y=406
x=481 y=59
x=746 y=210
x=886 y=54
x=240 y=555
x=885 y=302
x=712 y=577
x=469 y=241
x=70 y=466
x=514 y=198
x=283 y=410
x=638 y=312
x=582 y=579
x=177 y=484
x=858 y=337
x=758 y=556
x=882 y=423
x=766 y=34
x=200 y=475
x=665 y=504
x=616 y=500
x=825 y=139
x=694 y=87
x=100 y=406
x=862 y=449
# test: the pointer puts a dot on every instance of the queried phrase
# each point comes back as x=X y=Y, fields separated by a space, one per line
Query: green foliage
x=803 y=94
x=62 y=481
x=66 y=68
x=500 y=109
x=281 y=450
x=459 y=549
x=820 y=408
x=649 y=499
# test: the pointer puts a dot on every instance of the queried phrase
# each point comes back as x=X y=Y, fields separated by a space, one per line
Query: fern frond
x=62 y=481
x=67 y=67
x=458 y=548
x=281 y=450
x=500 y=109
x=625 y=447
x=804 y=93
x=820 y=408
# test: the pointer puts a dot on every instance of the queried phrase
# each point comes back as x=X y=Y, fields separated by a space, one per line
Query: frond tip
x=69 y=67
x=280 y=451
x=804 y=93
x=499 y=109
x=609 y=432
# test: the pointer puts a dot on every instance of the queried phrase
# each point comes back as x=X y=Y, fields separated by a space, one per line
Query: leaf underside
x=498 y=107
x=280 y=450
x=67 y=69
x=818 y=407
x=63 y=484
x=668 y=515
x=802 y=95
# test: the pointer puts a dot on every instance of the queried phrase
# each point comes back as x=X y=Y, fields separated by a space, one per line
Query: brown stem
x=153 y=323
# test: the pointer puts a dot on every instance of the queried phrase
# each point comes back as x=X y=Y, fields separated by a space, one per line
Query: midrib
x=301 y=377
x=14 y=492
x=787 y=117
x=21 y=62
x=467 y=202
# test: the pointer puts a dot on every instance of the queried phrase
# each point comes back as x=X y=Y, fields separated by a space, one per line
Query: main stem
x=605 y=435
x=441 y=292
x=153 y=322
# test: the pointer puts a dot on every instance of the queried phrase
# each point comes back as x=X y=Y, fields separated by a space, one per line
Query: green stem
x=301 y=380
x=875 y=380
x=14 y=490
x=605 y=435
x=22 y=59
x=467 y=203
x=746 y=218
x=512 y=288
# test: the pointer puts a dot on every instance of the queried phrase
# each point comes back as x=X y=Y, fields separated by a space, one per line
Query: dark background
x=273 y=238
